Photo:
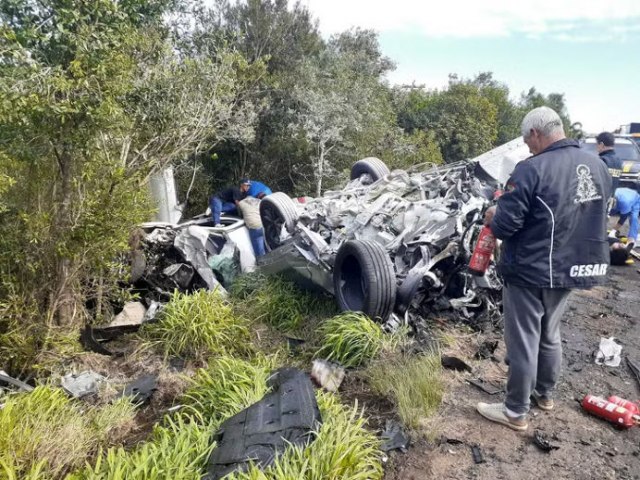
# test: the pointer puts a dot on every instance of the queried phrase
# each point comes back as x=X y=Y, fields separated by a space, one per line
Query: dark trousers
x=532 y=336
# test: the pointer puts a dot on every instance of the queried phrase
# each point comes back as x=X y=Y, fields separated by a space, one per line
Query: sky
x=587 y=49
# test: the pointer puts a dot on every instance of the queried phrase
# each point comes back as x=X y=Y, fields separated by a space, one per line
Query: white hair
x=543 y=119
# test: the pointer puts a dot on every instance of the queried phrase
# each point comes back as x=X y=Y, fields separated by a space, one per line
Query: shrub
x=353 y=339
x=178 y=450
x=228 y=386
x=342 y=448
x=45 y=434
x=198 y=325
x=414 y=384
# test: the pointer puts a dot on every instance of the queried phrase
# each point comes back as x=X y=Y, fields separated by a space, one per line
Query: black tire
x=277 y=210
x=364 y=279
x=372 y=166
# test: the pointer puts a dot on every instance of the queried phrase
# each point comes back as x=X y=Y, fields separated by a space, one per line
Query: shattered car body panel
x=426 y=222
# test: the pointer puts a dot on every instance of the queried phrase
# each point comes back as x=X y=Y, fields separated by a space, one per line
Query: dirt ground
x=590 y=448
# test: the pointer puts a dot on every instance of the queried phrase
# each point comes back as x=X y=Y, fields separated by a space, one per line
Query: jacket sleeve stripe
x=553 y=228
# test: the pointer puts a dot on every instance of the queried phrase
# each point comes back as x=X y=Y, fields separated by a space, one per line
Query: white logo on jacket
x=586 y=191
x=590 y=270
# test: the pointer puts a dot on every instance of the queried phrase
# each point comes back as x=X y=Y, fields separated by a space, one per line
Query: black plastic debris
x=478 y=457
x=8 y=380
x=454 y=363
x=286 y=416
x=487 y=349
x=294 y=344
x=540 y=440
x=635 y=368
x=485 y=386
x=394 y=438
x=141 y=389
x=93 y=338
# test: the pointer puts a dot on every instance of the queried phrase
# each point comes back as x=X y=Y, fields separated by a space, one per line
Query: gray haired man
x=552 y=220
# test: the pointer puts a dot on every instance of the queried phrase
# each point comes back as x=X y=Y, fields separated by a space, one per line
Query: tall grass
x=342 y=449
x=228 y=385
x=414 y=384
x=177 y=450
x=198 y=325
x=353 y=339
x=278 y=302
x=44 y=434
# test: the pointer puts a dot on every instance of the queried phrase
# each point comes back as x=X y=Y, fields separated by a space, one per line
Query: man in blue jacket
x=604 y=146
x=552 y=220
x=627 y=205
x=253 y=188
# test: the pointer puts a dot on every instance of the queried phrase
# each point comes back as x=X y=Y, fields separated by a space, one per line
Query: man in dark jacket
x=552 y=220
x=604 y=144
x=226 y=200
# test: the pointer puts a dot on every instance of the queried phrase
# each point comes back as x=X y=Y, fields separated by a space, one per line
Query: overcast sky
x=587 y=49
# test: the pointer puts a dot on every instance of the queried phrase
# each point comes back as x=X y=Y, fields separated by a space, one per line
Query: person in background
x=619 y=252
x=226 y=201
x=604 y=145
x=250 y=210
x=627 y=205
x=253 y=188
x=557 y=195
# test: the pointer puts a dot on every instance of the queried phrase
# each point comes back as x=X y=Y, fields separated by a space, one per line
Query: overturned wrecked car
x=395 y=244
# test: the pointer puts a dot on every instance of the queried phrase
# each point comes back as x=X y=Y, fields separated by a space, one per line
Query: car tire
x=364 y=279
x=277 y=210
x=372 y=166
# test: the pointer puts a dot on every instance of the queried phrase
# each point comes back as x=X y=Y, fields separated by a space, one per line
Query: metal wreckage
x=395 y=244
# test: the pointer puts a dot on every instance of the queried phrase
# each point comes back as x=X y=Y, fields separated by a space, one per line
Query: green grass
x=414 y=384
x=278 y=302
x=227 y=386
x=198 y=325
x=353 y=339
x=246 y=285
x=342 y=449
x=44 y=434
x=177 y=450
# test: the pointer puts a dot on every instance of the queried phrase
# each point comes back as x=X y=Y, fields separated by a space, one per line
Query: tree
x=534 y=99
x=93 y=98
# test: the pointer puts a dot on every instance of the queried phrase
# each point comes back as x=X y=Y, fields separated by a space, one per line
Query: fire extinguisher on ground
x=612 y=412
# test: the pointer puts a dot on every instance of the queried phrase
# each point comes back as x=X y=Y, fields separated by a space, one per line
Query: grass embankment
x=44 y=434
x=218 y=333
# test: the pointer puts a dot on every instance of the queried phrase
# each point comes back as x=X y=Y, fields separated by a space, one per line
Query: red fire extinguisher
x=633 y=407
x=482 y=252
x=609 y=411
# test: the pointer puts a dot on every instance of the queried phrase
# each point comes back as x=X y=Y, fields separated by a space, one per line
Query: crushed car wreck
x=394 y=245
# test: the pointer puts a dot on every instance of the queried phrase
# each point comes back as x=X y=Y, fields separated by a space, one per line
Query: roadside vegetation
x=353 y=339
x=198 y=325
x=414 y=384
x=44 y=434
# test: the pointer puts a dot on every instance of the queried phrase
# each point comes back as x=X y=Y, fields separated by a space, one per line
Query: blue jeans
x=257 y=240
x=218 y=206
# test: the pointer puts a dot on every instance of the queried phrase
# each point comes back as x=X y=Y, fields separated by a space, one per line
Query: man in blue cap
x=253 y=188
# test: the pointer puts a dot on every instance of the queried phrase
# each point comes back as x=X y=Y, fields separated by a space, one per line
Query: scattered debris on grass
x=284 y=418
x=82 y=384
x=327 y=375
x=454 y=363
x=394 y=438
x=485 y=386
x=414 y=384
x=342 y=448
